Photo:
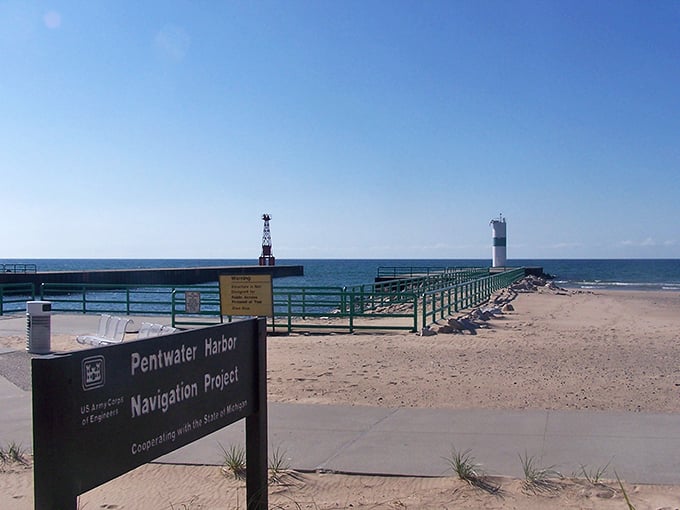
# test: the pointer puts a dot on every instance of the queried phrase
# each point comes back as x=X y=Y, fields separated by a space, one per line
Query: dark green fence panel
x=13 y=297
x=422 y=298
x=437 y=304
x=113 y=299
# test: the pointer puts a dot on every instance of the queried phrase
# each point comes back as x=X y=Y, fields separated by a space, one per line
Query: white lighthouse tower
x=499 y=242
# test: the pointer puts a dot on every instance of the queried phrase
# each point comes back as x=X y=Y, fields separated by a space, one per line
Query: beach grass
x=279 y=467
x=538 y=479
x=623 y=491
x=594 y=476
x=14 y=453
x=234 y=460
x=466 y=468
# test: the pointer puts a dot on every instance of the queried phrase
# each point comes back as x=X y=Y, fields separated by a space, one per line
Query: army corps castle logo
x=93 y=372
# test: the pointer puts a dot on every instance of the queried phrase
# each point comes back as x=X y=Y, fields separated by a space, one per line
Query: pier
x=388 y=274
x=528 y=270
x=162 y=276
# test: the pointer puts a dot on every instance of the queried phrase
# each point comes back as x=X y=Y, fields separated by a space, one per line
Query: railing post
x=351 y=312
x=172 y=307
x=441 y=305
x=415 y=312
x=290 y=312
x=127 y=300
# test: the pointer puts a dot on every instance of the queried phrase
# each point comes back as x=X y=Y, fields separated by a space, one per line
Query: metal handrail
x=351 y=308
x=13 y=296
x=444 y=302
x=414 y=271
x=308 y=308
x=18 y=268
x=107 y=298
x=393 y=304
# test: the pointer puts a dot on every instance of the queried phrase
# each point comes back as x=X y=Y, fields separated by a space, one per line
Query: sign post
x=102 y=412
x=257 y=488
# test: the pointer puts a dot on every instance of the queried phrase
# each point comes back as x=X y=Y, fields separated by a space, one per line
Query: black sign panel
x=101 y=412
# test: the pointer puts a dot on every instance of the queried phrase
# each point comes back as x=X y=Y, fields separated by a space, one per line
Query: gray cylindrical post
x=38 y=327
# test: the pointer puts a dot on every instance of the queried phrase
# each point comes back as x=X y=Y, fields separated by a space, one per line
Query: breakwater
x=148 y=276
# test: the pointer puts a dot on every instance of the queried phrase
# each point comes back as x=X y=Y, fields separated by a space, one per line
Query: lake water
x=620 y=274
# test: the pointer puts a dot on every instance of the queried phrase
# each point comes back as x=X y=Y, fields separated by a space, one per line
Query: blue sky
x=367 y=129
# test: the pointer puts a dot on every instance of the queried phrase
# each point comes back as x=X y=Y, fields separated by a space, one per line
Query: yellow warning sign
x=246 y=295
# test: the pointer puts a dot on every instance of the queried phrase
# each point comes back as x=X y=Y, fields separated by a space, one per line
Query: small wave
x=587 y=284
x=598 y=284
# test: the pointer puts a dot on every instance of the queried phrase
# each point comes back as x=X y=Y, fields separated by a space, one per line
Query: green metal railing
x=13 y=297
x=208 y=311
x=107 y=298
x=408 y=271
x=424 y=283
x=308 y=308
x=353 y=308
x=389 y=305
x=405 y=272
x=400 y=304
x=444 y=302
x=18 y=268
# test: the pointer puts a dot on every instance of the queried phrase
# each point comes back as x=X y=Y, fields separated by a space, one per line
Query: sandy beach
x=579 y=350
x=557 y=350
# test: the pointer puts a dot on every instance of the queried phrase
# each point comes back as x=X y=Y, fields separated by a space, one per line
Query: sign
x=99 y=413
x=246 y=295
x=192 y=301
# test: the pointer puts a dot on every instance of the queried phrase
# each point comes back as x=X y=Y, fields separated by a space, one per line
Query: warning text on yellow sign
x=246 y=295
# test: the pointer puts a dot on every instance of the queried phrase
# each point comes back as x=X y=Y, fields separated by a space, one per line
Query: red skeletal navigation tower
x=267 y=259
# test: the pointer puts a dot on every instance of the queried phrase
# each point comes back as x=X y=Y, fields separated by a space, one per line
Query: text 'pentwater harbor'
x=163 y=399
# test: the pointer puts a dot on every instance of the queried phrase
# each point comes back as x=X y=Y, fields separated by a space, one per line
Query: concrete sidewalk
x=641 y=447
